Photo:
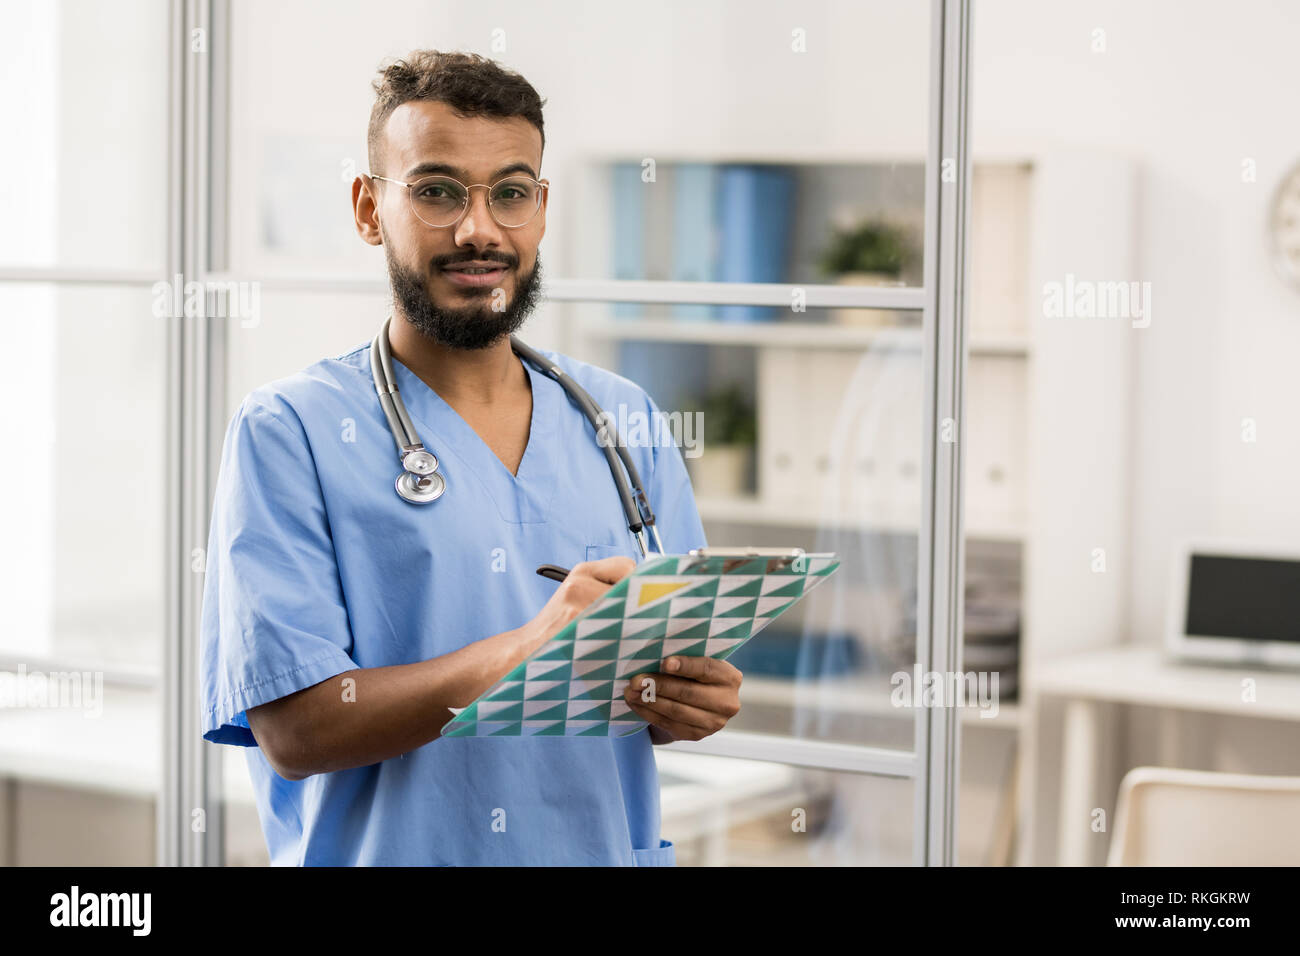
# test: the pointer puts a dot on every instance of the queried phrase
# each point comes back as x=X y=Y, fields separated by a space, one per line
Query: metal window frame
x=941 y=564
x=196 y=248
x=190 y=811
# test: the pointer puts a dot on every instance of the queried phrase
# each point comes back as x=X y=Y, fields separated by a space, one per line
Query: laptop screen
x=1254 y=599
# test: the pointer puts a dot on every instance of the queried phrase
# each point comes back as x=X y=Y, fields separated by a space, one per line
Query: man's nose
x=476 y=223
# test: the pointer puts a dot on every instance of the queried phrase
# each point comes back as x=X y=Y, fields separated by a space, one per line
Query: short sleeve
x=669 y=488
x=274 y=620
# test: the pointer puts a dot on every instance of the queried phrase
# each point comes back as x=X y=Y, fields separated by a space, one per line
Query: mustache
x=507 y=261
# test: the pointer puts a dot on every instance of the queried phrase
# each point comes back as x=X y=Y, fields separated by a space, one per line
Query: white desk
x=1140 y=675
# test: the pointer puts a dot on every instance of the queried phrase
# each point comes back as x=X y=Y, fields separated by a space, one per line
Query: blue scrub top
x=317 y=567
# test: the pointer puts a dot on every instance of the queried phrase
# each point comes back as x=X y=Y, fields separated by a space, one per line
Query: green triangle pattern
x=578 y=691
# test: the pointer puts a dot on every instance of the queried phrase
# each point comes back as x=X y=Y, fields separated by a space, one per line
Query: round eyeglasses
x=441 y=200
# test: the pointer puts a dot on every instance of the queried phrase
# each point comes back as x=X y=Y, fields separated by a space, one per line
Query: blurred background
x=1152 y=145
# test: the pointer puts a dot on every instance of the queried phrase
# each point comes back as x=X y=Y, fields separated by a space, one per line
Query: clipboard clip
x=795 y=558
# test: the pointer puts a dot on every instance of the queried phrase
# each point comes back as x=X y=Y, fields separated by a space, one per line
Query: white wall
x=1188 y=90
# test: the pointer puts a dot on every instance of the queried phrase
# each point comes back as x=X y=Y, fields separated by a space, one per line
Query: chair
x=1169 y=817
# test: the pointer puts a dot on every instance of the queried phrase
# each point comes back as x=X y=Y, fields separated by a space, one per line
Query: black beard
x=474 y=326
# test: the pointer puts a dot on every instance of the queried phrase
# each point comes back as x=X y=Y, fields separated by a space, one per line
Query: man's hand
x=690 y=699
x=587 y=582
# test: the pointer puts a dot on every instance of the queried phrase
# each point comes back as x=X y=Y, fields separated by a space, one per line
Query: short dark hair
x=471 y=84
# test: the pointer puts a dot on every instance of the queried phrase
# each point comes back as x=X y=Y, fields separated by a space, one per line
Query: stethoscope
x=420 y=482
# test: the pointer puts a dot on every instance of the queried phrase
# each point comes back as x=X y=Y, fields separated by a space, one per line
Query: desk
x=1140 y=675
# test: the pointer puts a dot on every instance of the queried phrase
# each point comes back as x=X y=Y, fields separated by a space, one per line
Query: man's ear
x=365 y=210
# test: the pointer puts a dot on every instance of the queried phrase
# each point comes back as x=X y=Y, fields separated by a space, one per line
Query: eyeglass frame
x=411 y=201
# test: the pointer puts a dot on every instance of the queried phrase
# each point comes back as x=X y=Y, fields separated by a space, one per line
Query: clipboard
x=706 y=603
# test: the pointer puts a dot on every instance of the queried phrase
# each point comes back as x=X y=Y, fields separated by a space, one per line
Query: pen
x=553 y=571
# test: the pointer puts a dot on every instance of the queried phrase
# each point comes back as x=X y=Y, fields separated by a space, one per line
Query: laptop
x=1235 y=603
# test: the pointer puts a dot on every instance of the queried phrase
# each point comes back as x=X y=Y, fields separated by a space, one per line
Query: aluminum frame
x=941 y=558
x=190 y=811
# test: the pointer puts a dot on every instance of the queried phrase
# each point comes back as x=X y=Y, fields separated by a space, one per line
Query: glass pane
x=84 y=92
x=784 y=148
x=720 y=811
x=82 y=581
x=808 y=436
x=81 y=573
x=294 y=330
x=753 y=182
x=84 y=773
x=1141 y=395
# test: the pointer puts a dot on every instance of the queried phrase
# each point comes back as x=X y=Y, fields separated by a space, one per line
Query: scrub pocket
x=665 y=855
x=597 y=551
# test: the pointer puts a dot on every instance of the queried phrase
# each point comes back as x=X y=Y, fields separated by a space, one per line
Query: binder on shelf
x=694 y=249
x=755 y=214
x=628 y=232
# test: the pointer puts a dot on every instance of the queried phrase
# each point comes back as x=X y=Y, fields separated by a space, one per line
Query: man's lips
x=457 y=276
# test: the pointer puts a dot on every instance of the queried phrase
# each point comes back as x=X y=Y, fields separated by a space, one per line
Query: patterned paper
x=572 y=686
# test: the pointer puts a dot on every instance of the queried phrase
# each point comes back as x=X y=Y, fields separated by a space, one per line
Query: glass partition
x=815 y=411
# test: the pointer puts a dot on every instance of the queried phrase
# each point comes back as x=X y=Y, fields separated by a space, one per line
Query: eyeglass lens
x=439 y=201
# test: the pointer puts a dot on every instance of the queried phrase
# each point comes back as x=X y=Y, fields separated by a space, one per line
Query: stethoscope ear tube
x=420 y=481
x=385 y=398
x=636 y=506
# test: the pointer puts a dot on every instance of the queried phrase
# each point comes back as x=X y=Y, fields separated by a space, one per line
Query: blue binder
x=755 y=212
x=694 y=227
x=628 y=232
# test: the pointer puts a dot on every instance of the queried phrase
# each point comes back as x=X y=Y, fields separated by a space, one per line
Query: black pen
x=553 y=571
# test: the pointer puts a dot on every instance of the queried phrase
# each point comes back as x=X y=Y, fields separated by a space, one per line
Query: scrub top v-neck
x=523 y=497
x=317 y=567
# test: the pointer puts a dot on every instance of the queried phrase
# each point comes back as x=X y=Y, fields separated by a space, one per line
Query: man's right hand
x=583 y=585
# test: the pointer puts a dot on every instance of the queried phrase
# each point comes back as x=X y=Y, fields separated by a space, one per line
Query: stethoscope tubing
x=636 y=506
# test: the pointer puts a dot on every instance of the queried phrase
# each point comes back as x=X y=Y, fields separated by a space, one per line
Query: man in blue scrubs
x=340 y=622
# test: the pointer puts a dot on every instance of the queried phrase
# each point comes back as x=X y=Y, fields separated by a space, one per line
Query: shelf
x=886 y=519
x=812 y=335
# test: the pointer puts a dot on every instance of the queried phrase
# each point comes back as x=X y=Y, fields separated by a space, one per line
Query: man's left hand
x=691 y=698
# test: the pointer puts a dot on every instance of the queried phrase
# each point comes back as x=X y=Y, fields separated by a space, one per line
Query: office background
x=1109 y=142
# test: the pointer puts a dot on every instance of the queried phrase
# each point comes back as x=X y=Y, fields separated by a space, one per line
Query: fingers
x=608 y=570
x=585 y=583
x=714 y=698
x=673 y=717
x=588 y=581
x=706 y=670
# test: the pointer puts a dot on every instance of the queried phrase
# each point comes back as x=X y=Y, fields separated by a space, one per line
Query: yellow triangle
x=653 y=592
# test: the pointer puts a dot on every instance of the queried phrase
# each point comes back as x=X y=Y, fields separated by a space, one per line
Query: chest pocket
x=597 y=551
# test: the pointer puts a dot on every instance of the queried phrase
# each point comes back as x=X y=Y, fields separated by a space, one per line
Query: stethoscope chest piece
x=419 y=490
x=420 y=482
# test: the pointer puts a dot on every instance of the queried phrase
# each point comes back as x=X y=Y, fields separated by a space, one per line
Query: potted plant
x=728 y=433
x=874 y=252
